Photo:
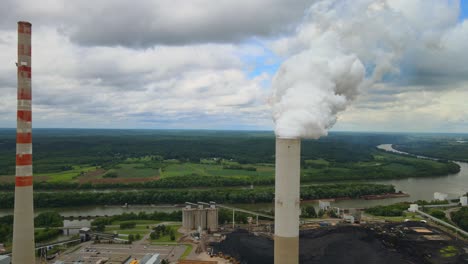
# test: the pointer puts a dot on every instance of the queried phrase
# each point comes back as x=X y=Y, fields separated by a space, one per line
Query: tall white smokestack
x=287 y=201
x=23 y=226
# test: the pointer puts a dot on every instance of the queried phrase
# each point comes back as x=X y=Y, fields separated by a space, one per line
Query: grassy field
x=212 y=169
x=380 y=165
x=67 y=176
x=141 y=228
x=138 y=222
x=407 y=215
x=133 y=170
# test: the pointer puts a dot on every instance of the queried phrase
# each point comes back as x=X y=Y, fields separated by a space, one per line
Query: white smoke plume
x=341 y=47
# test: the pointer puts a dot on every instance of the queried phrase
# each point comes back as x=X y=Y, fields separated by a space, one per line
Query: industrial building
x=197 y=216
x=464 y=201
x=413 y=208
x=85 y=234
x=151 y=259
x=352 y=215
x=324 y=205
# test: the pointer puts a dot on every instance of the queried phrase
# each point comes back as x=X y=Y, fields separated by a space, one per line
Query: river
x=418 y=189
x=423 y=188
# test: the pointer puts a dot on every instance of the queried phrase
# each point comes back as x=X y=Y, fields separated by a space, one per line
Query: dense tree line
x=442 y=148
x=263 y=194
x=308 y=211
x=169 y=182
x=56 y=149
x=157 y=216
x=46 y=235
x=45 y=219
x=460 y=218
x=6 y=228
x=415 y=168
x=48 y=219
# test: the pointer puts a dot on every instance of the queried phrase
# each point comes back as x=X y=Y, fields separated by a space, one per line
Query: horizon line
x=239 y=130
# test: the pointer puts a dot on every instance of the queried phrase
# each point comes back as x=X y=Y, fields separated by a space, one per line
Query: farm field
x=381 y=166
x=185 y=159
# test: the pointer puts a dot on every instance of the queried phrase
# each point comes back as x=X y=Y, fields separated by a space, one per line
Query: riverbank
x=256 y=195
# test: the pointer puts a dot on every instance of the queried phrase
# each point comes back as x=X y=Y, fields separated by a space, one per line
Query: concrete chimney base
x=286 y=250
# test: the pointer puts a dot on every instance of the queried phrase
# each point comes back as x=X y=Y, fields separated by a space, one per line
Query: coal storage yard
x=383 y=243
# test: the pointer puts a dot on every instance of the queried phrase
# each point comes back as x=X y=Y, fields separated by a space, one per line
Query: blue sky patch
x=464 y=9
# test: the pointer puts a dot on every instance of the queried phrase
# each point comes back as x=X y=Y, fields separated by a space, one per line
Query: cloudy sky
x=203 y=64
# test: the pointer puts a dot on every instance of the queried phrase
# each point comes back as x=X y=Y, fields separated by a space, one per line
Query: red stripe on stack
x=24 y=94
x=24 y=71
x=23 y=68
x=23 y=159
x=23 y=138
x=22 y=181
x=24 y=28
x=25 y=115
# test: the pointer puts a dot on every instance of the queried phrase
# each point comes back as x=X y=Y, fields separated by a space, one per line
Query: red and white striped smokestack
x=23 y=226
x=287 y=201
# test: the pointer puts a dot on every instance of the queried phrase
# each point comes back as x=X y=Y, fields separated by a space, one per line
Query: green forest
x=43 y=223
x=442 y=147
x=460 y=217
x=175 y=166
x=257 y=195
x=80 y=159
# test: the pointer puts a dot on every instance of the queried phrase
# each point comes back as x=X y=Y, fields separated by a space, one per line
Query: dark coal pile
x=345 y=245
x=246 y=247
x=334 y=245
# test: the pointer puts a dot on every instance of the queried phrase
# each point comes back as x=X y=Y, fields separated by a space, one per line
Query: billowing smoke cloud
x=310 y=89
x=341 y=47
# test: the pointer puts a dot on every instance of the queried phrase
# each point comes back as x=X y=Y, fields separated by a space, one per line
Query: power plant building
x=198 y=216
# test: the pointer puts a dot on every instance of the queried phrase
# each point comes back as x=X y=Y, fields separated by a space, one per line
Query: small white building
x=464 y=201
x=324 y=205
x=348 y=218
x=413 y=208
x=440 y=196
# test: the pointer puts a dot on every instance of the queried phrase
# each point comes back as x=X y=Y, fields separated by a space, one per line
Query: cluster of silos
x=198 y=216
